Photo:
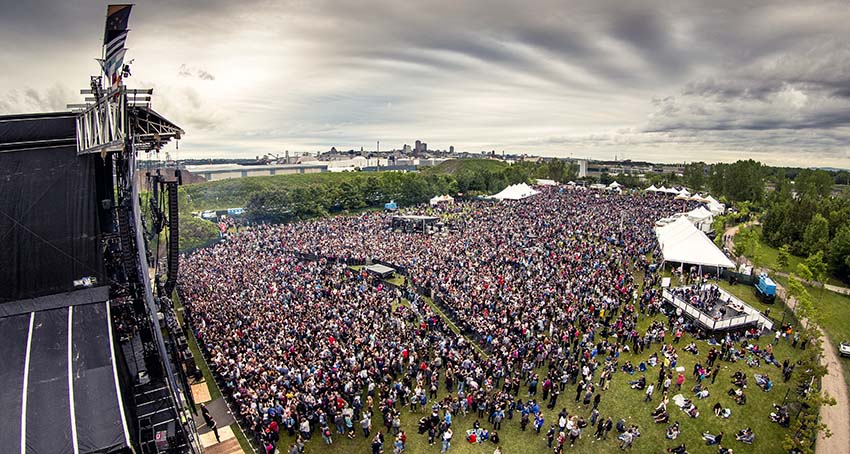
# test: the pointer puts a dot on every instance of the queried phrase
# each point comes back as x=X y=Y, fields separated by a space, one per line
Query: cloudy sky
x=662 y=81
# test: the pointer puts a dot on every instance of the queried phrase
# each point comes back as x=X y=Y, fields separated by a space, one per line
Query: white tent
x=671 y=191
x=699 y=214
x=682 y=242
x=716 y=208
x=684 y=192
x=545 y=182
x=651 y=189
x=614 y=185
x=515 y=192
x=442 y=199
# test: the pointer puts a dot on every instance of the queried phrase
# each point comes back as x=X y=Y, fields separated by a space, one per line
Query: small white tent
x=652 y=189
x=442 y=199
x=545 y=182
x=682 y=242
x=701 y=218
x=515 y=192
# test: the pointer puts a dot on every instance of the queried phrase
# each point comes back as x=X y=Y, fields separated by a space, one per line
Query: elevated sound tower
x=119 y=124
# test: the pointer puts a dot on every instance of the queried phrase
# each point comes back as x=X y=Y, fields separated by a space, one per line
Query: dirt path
x=836 y=417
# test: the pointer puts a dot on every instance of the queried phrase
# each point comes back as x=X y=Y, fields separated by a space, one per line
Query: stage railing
x=750 y=315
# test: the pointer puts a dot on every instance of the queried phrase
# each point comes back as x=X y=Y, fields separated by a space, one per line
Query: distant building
x=406 y=148
x=213 y=172
x=451 y=149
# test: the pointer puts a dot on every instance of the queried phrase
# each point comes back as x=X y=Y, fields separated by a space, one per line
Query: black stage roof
x=59 y=387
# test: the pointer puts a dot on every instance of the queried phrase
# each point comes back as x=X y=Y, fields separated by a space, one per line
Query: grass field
x=235 y=192
x=453 y=166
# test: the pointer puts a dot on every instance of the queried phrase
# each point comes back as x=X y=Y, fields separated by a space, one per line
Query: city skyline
x=655 y=82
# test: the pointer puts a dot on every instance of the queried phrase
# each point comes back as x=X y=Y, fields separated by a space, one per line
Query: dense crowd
x=546 y=286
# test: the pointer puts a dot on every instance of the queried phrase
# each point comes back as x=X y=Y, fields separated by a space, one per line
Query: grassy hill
x=233 y=193
x=454 y=166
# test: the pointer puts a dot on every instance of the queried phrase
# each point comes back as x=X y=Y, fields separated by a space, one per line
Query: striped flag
x=117 y=18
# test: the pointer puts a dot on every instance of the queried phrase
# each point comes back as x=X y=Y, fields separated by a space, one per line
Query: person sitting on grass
x=673 y=431
x=739 y=379
x=722 y=450
x=639 y=383
x=764 y=382
x=692 y=348
x=718 y=409
x=700 y=391
x=662 y=418
x=689 y=408
x=780 y=415
x=745 y=436
x=712 y=439
x=681 y=449
x=740 y=398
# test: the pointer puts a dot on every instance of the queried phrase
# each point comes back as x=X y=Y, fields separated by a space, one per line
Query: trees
x=816 y=235
x=739 y=181
x=784 y=257
x=813 y=183
x=839 y=252
x=694 y=175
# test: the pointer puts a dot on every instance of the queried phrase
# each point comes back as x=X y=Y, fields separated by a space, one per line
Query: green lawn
x=453 y=166
x=235 y=192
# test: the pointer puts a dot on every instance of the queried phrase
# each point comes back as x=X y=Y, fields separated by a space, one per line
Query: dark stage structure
x=93 y=357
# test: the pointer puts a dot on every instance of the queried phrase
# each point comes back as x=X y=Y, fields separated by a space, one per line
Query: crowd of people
x=547 y=287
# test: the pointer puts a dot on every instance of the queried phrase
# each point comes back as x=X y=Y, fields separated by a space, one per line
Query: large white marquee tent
x=515 y=192
x=682 y=242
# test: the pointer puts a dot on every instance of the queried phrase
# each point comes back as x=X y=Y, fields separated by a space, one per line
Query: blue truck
x=766 y=289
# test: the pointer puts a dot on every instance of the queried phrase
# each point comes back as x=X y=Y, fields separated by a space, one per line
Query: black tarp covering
x=13 y=346
x=60 y=400
x=47 y=392
x=48 y=208
x=98 y=426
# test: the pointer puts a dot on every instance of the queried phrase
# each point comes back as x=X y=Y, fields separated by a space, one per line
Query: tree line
x=373 y=190
x=800 y=212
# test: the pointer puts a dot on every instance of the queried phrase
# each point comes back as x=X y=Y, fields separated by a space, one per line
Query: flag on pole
x=117 y=18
